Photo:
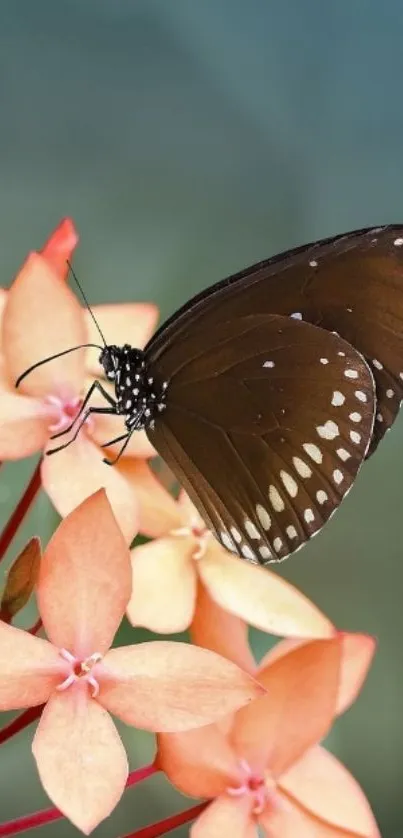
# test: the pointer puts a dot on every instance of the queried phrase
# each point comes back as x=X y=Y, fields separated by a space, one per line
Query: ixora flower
x=83 y=589
x=266 y=767
x=39 y=317
x=185 y=559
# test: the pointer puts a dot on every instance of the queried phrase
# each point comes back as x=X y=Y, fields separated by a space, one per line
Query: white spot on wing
x=377 y=364
x=343 y=454
x=338 y=399
x=324 y=360
x=313 y=263
x=309 y=516
x=291 y=532
x=226 y=541
x=265 y=552
x=398 y=242
x=277 y=544
x=297 y=315
x=355 y=417
x=247 y=552
x=251 y=530
x=360 y=396
x=313 y=452
x=329 y=430
x=355 y=437
x=269 y=364
x=321 y=497
x=302 y=467
x=263 y=516
x=338 y=476
x=276 y=499
x=289 y=483
x=236 y=535
x=349 y=373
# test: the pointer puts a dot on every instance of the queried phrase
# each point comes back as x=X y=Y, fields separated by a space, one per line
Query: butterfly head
x=111 y=360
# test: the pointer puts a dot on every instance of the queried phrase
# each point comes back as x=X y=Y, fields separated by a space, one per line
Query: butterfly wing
x=267 y=422
x=351 y=284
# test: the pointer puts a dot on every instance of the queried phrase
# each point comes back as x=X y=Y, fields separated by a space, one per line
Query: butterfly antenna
x=85 y=299
x=52 y=358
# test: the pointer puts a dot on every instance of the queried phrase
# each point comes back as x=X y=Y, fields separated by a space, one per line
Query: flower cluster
x=244 y=737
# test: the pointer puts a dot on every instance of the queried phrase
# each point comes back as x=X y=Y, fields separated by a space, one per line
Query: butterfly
x=265 y=393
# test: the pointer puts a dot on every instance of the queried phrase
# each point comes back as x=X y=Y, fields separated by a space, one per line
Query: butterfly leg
x=95 y=386
x=104 y=410
x=127 y=438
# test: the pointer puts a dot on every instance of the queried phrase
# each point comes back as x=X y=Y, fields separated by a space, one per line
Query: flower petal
x=199 y=762
x=222 y=632
x=43 y=317
x=229 y=816
x=81 y=761
x=260 y=597
x=169 y=687
x=72 y=475
x=30 y=668
x=164 y=586
x=121 y=323
x=24 y=423
x=289 y=820
x=158 y=511
x=60 y=246
x=357 y=653
x=322 y=785
x=85 y=581
x=296 y=712
x=3 y=300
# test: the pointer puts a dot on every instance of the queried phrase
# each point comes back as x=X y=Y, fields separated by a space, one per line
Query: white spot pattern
x=355 y=417
x=338 y=399
x=297 y=315
x=313 y=452
x=289 y=483
x=343 y=454
x=360 y=395
x=355 y=437
x=309 y=516
x=329 y=430
x=269 y=364
x=263 y=516
x=236 y=535
x=291 y=532
x=398 y=242
x=377 y=364
x=338 y=476
x=321 y=497
x=349 y=373
x=277 y=544
x=302 y=467
x=276 y=499
x=251 y=530
x=265 y=552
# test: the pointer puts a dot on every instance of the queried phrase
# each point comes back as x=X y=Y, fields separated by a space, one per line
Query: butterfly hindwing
x=266 y=427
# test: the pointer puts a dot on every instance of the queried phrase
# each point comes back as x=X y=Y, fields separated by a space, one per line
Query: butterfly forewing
x=266 y=425
x=351 y=284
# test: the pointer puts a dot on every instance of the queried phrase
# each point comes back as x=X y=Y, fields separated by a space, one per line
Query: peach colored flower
x=40 y=316
x=83 y=588
x=168 y=571
x=265 y=767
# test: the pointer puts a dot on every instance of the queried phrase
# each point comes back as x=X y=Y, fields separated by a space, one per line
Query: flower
x=40 y=316
x=83 y=589
x=186 y=558
x=265 y=767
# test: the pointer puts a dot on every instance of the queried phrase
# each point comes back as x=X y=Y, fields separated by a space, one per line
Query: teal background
x=188 y=139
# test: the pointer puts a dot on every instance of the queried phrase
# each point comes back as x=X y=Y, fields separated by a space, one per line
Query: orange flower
x=40 y=316
x=168 y=571
x=266 y=767
x=83 y=589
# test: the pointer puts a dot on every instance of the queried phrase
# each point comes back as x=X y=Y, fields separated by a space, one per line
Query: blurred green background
x=188 y=139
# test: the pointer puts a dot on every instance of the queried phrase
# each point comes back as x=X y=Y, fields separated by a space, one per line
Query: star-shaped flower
x=185 y=557
x=39 y=317
x=265 y=767
x=83 y=589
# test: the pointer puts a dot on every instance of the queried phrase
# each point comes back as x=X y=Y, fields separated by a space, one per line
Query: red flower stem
x=46 y=816
x=36 y=627
x=20 y=722
x=155 y=830
x=20 y=511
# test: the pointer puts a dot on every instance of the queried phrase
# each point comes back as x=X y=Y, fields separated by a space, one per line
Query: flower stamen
x=197 y=531
x=259 y=786
x=80 y=671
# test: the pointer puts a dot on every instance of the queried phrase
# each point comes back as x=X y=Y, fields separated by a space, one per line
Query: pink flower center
x=199 y=532
x=261 y=788
x=66 y=409
x=80 y=670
